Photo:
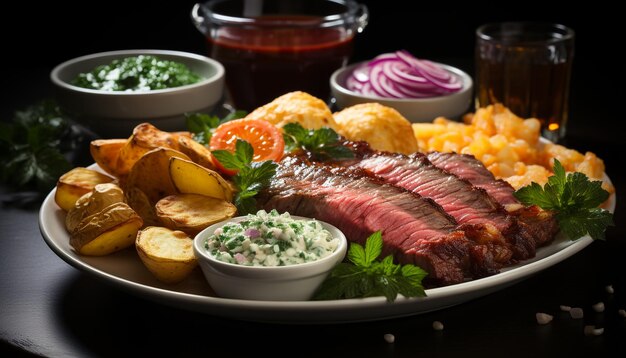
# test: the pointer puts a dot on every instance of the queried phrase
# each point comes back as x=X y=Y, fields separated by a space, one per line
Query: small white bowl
x=115 y=113
x=450 y=106
x=280 y=283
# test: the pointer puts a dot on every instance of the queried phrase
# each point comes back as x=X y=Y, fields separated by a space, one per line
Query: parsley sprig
x=32 y=147
x=203 y=125
x=251 y=176
x=366 y=277
x=575 y=199
x=321 y=144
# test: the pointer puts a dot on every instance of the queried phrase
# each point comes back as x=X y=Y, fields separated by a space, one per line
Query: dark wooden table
x=49 y=308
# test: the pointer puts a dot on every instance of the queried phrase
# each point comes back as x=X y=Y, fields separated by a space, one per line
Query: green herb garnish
x=137 y=73
x=251 y=176
x=366 y=277
x=32 y=147
x=203 y=125
x=575 y=199
x=321 y=144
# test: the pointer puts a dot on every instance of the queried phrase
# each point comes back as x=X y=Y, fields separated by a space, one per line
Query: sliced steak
x=482 y=218
x=414 y=229
x=471 y=169
x=540 y=224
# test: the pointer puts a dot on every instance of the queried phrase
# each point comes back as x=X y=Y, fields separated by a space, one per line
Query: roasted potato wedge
x=145 y=138
x=107 y=231
x=198 y=153
x=105 y=153
x=189 y=177
x=167 y=254
x=102 y=196
x=151 y=174
x=139 y=201
x=76 y=183
x=192 y=213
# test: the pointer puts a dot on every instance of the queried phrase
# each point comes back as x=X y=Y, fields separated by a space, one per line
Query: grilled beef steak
x=415 y=229
x=540 y=224
x=481 y=217
x=471 y=169
x=444 y=212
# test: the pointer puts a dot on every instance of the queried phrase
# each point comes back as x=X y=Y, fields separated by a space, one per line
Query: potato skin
x=300 y=107
x=102 y=196
x=151 y=174
x=112 y=229
x=105 y=153
x=76 y=183
x=382 y=127
x=193 y=213
x=167 y=254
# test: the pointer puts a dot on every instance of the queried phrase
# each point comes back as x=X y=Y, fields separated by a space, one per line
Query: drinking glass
x=271 y=47
x=526 y=67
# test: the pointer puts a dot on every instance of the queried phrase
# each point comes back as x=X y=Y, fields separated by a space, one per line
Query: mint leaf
x=243 y=152
x=574 y=199
x=227 y=159
x=320 y=144
x=356 y=255
x=251 y=176
x=203 y=125
x=366 y=277
x=373 y=247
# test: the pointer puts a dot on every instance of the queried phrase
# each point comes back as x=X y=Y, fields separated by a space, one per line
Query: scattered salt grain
x=622 y=312
x=543 y=318
x=598 y=307
x=609 y=289
x=389 y=338
x=576 y=313
x=437 y=326
x=593 y=331
x=565 y=308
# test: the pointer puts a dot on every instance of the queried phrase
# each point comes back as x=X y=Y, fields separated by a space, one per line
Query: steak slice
x=414 y=229
x=482 y=218
x=541 y=224
x=467 y=167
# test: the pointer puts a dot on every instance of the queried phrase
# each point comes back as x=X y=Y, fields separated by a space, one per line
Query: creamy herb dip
x=137 y=74
x=271 y=239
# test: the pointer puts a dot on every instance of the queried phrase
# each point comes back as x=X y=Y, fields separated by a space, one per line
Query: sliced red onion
x=401 y=75
x=252 y=233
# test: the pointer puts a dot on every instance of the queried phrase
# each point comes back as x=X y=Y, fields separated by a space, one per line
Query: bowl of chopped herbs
x=112 y=92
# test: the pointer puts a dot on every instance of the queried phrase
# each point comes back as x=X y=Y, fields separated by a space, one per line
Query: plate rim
x=314 y=312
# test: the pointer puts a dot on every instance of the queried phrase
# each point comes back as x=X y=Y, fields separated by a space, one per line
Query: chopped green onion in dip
x=271 y=239
x=137 y=74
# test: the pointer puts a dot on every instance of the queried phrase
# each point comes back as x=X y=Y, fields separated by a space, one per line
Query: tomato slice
x=266 y=140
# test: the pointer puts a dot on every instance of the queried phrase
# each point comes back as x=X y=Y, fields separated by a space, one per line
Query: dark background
x=54 y=32
x=50 y=33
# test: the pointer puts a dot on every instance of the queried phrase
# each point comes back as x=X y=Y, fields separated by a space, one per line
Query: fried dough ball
x=300 y=107
x=382 y=127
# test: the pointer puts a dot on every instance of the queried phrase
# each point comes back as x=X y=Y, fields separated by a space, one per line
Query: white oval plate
x=125 y=270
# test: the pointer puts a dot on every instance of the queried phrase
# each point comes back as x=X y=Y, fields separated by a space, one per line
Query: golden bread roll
x=300 y=107
x=382 y=127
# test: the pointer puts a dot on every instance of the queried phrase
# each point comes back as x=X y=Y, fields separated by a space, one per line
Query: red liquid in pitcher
x=262 y=64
